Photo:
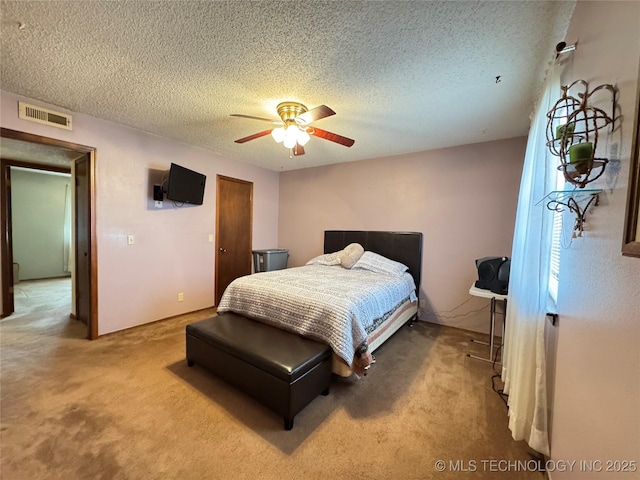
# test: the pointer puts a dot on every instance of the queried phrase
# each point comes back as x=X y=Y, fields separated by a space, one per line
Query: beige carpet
x=126 y=406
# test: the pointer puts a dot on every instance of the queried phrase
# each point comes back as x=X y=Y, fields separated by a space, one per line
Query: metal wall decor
x=572 y=131
x=579 y=202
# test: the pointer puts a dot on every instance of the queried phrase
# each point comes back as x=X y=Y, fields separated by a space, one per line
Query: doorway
x=234 y=224
x=34 y=151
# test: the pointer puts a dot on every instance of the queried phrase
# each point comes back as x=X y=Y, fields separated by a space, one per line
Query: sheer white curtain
x=523 y=370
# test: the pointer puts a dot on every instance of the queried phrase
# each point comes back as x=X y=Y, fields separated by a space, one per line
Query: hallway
x=46 y=305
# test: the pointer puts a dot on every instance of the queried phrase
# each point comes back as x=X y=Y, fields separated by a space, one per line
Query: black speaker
x=493 y=274
x=157 y=193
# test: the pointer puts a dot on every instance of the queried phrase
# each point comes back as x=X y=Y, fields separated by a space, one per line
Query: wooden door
x=83 y=242
x=234 y=224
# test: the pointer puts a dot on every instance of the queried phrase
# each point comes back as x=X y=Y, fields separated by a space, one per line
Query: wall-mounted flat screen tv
x=185 y=186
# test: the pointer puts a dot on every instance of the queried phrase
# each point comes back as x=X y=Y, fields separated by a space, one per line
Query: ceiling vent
x=43 y=115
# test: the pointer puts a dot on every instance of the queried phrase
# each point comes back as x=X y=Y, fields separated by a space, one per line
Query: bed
x=354 y=319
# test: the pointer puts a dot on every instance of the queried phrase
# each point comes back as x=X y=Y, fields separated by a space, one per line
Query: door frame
x=5 y=222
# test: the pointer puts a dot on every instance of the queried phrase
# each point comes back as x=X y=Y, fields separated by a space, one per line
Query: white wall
x=139 y=283
x=463 y=200
x=37 y=207
x=596 y=404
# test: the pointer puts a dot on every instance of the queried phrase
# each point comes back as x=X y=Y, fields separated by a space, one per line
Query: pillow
x=328 y=259
x=350 y=255
x=379 y=264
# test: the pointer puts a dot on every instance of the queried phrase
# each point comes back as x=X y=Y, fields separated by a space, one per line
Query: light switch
x=211 y=238
x=130 y=239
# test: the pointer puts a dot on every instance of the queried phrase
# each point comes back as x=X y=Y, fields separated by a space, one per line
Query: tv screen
x=185 y=186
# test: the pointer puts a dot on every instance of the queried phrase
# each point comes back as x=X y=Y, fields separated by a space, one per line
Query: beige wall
x=463 y=200
x=37 y=209
x=171 y=254
x=596 y=403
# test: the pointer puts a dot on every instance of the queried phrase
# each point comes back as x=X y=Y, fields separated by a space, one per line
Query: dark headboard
x=403 y=247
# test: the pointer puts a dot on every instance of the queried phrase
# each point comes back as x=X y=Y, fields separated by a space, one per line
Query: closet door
x=234 y=224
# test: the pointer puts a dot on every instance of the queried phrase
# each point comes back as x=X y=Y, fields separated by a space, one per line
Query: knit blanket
x=331 y=304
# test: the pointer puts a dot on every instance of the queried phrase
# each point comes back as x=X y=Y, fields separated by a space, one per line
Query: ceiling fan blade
x=333 y=137
x=298 y=150
x=276 y=122
x=314 y=114
x=253 y=137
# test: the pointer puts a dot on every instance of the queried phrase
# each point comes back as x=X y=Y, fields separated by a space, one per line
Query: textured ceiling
x=403 y=76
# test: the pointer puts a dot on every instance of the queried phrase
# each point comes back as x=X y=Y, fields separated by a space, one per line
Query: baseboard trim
x=212 y=307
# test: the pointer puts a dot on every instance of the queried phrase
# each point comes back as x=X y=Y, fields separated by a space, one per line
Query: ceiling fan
x=295 y=131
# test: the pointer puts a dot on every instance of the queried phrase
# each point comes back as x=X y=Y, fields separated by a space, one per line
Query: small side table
x=481 y=292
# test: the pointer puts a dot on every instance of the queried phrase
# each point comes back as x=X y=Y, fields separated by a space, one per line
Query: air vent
x=42 y=115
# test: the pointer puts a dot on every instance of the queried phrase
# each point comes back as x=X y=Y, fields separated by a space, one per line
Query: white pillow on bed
x=350 y=255
x=329 y=259
x=379 y=264
x=347 y=257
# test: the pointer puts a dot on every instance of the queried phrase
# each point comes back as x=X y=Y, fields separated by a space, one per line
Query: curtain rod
x=562 y=47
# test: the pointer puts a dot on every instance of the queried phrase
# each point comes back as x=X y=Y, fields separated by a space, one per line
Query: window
x=556 y=236
x=556 y=239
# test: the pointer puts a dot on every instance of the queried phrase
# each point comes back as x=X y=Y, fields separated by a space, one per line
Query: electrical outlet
x=423 y=303
x=180 y=297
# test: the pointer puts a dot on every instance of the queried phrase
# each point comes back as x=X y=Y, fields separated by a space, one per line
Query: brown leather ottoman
x=281 y=370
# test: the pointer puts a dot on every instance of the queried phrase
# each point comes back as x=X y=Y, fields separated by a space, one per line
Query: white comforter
x=329 y=303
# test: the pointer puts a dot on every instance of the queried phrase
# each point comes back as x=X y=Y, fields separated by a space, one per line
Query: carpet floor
x=126 y=406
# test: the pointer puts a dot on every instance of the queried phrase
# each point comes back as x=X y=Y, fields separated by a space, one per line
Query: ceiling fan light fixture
x=291 y=136
x=289 y=142
x=278 y=134
x=303 y=137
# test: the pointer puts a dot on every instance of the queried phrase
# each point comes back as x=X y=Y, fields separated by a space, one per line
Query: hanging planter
x=572 y=132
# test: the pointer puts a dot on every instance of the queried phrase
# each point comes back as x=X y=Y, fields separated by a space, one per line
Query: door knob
x=223 y=250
